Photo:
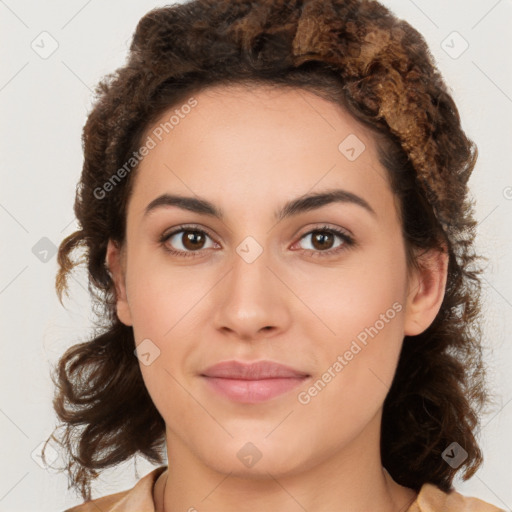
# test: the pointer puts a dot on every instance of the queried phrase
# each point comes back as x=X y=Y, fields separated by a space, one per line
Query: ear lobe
x=114 y=260
x=426 y=290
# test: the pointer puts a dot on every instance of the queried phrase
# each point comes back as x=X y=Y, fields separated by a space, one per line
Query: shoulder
x=137 y=499
x=432 y=499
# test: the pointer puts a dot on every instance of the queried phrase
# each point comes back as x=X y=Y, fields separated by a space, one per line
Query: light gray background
x=44 y=104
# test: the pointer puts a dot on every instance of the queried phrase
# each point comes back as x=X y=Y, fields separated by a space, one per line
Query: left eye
x=323 y=239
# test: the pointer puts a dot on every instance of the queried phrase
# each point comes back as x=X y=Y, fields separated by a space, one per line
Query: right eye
x=186 y=241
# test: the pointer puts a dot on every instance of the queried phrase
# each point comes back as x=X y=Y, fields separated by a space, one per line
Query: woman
x=275 y=214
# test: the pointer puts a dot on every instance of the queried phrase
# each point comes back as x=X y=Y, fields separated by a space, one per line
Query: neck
x=349 y=480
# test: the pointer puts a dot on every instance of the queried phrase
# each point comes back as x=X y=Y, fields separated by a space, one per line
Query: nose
x=251 y=303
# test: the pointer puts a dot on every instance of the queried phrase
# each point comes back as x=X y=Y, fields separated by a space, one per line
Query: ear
x=425 y=291
x=115 y=262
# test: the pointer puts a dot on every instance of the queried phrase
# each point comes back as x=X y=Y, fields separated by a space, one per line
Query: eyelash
x=349 y=242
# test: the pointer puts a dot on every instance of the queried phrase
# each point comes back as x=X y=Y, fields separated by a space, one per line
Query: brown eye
x=192 y=240
x=186 y=241
x=323 y=241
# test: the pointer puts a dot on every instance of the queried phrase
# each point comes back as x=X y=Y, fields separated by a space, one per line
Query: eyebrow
x=302 y=204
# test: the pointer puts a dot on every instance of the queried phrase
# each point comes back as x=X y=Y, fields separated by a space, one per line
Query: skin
x=248 y=151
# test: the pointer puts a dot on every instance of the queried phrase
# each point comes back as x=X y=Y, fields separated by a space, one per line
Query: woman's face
x=261 y=275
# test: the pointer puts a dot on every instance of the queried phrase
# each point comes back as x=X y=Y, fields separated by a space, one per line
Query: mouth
x=252 y=382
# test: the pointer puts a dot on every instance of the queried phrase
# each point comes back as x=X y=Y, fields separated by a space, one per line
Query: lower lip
x=253 y=391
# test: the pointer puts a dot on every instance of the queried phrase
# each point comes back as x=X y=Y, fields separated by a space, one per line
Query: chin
x=253 y=457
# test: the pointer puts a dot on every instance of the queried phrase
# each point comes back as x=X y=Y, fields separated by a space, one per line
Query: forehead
x=271 y=107
x=259 y=142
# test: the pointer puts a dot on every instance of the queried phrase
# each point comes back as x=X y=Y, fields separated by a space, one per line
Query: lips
x=252 y=382
x=252 y=371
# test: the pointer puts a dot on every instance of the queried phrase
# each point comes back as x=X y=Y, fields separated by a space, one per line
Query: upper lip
x=252 y=371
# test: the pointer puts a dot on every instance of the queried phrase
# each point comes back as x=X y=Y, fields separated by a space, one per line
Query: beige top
x=140 y=499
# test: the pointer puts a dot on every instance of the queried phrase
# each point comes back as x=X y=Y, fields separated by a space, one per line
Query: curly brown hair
x=359 y=56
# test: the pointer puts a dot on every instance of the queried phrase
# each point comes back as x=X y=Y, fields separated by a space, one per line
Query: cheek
x=159 y=296
x=164 y=305
x=363 y=307
x=355 y=294
x=356 y=368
